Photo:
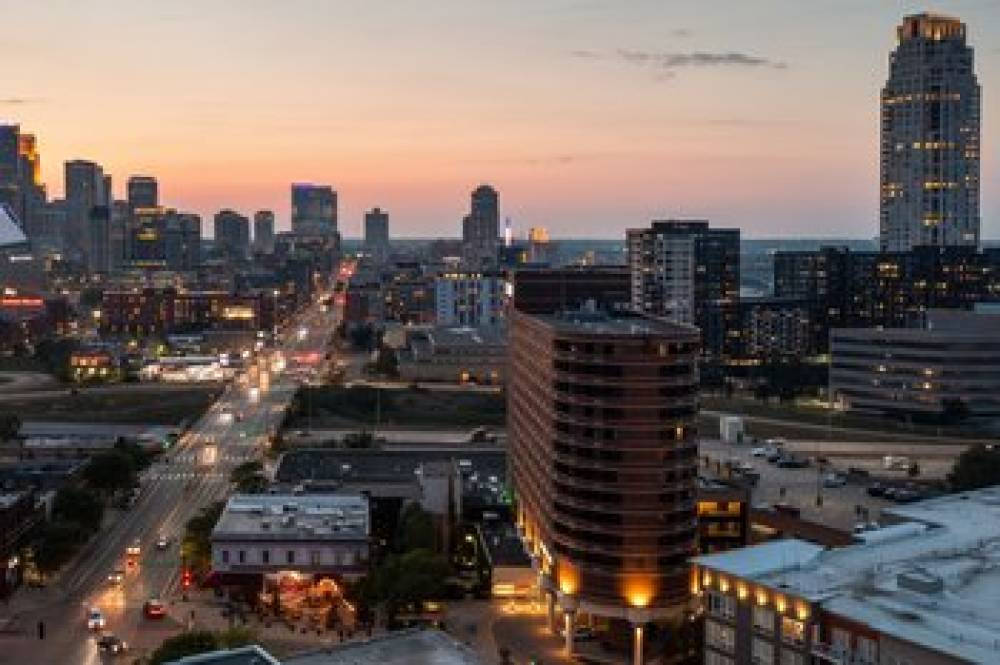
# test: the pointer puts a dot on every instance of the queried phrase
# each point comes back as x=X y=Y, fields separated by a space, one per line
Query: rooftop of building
x=482 y=471
x=409 y=647
x=931 y=577
x=479 y=336
x=248 y=655
x=617 y=323
x=294 y=516
x=8 y=499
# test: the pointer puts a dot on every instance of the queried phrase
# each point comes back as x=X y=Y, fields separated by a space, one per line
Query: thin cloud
x=665 y=64
x=19 y=101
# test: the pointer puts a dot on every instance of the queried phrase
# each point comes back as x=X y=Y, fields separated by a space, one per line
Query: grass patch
x=166 y=408
x=340 y=406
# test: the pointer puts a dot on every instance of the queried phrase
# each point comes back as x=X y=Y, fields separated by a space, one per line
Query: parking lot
x=798 y=487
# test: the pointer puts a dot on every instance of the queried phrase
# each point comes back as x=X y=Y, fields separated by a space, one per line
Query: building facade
x=263 y=232
x=142 y=191
x=86 y=188
x=930 y=145
x=603 y=457
x=313 y=535
x=481 y=229
x=377 y=235
x=845 y=289
x=156 y=312
x=468 y=299
x=954 y=358
x=314 y=210
x=550 y=290
x=689 y=273
x=232 y=234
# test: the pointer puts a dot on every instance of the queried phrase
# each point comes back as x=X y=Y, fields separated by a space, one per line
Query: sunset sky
x=587 y=115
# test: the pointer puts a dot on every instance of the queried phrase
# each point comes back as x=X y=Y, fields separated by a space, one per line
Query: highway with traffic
x=194 y=473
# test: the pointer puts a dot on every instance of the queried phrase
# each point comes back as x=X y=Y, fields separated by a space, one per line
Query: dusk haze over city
x=566 y=332
x=588 y=115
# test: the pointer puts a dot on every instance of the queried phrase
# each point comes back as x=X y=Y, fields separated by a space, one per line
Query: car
x=95 y=619
x=133 y=550
x=792 y=462
x=759 y=451
x=162 y=543
x=904 y=495
x=112 y=644
x=154 y=609
x=581 y=634
x=834 y=480
x=743 y=466
x=876 y=490
x=774 y=455
x=117 y=577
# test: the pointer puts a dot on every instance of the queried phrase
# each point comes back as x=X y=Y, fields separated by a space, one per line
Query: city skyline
x=231 y=121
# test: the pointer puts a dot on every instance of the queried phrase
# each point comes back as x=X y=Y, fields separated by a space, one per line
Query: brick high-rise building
x=603 y=457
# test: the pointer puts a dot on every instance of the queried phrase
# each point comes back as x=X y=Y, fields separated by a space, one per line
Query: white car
x=759 y=451
x=834 y=480
x=95 y=619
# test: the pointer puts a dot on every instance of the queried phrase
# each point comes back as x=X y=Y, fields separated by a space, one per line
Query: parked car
x=759 y=451
x=792 y=462
x=111 y=644
x=876 y=489
x=834 y=480
x=162 y=543
x=774 y=455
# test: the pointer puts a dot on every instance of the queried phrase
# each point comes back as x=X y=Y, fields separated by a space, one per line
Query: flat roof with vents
x=291 y=517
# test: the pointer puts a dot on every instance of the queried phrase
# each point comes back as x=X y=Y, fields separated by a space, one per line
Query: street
x=187 y=478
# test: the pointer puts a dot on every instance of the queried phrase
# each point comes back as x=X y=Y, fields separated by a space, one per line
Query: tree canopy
x=978 y=466
x=78 y=506
x=110 y=471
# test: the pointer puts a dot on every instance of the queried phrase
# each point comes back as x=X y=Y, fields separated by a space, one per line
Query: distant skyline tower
x=930 y=138
x=232 y=234
x=377 y=234
x=263 y=232
x=143 y=192
x=314 y=210
x=481 y=228
x=86 y=187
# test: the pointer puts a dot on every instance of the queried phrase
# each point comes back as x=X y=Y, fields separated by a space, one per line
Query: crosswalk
x=232 y=458
x=188 y=475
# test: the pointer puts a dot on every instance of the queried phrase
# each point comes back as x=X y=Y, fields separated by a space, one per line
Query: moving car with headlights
x=95 y=619
x=117 y=577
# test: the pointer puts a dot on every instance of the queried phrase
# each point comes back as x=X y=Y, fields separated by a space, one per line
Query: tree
x=10 y=426
x=363 y=438
x=954 y=411
x=406 y=580
x=139 y=456
x=249 y=477
x=415 y=530
x=197 y=545
x=78 y=506
x=110 y=471
x=185 y=644
x=387 y=364
x=978 y=466
x=56 y=544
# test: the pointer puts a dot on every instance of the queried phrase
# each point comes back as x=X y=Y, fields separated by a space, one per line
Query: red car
x=154 y=609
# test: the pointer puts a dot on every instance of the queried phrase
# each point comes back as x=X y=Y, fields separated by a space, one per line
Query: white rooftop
x=932 y=578
x=321 y=517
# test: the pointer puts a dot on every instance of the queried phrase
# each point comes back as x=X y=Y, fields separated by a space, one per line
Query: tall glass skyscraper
x=930 y=138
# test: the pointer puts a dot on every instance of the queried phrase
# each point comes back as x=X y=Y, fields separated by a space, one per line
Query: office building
x=159 y=238
x=921 y=589
x=142 y=192
x=775 y=329
x=263 y=232
x=377 y=235
x=232 y=234
x=468 y=299
x=99 y=237
x=845 y=289
x=930 y=148
x=550 y=290
x=314 y=210
x=481 y=229
x=163 y=311
x=86 y=188
x=689 y=273
x=920 y=372
x=603 y=456
x=454 y=355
